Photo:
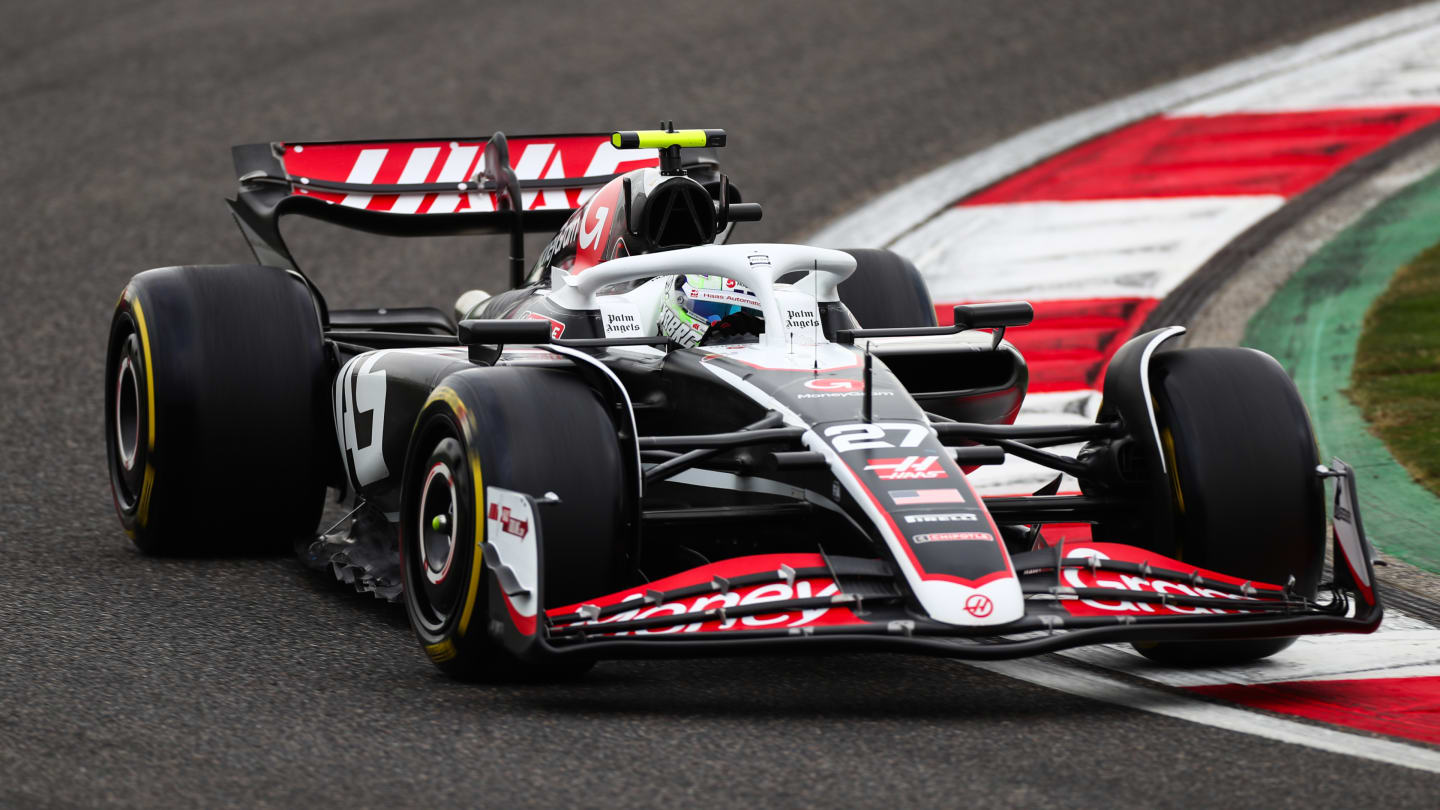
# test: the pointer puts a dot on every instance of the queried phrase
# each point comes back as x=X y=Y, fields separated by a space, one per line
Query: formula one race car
x=658 y=444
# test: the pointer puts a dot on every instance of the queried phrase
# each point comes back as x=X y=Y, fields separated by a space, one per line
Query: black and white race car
x=575 y=470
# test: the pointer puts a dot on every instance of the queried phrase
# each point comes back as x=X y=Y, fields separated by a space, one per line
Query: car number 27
x=874 y=435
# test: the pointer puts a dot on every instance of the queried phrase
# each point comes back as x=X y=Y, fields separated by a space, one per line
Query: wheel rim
x=126 y=442
x=437 y=523
x=127 y=413
x=437 y=553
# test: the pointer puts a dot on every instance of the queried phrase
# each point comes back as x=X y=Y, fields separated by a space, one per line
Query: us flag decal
x=914 y=497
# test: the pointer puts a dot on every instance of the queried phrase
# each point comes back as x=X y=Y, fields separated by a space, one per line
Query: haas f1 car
x=582 y=467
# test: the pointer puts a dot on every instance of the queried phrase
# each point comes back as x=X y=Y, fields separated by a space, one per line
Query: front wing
x=1076 y=594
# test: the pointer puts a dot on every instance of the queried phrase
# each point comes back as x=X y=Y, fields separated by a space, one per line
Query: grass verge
x=1396 y=378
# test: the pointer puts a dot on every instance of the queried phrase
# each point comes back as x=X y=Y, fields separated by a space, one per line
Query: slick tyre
x=215 y=410
x=886 y=291
x=526 y=430
x=1246 y=499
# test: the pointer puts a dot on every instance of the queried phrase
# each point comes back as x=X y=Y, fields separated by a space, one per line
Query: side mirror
x=745 y=212
x=486 y=338
x=727 y=212
x=994 y=316
x=487 y=332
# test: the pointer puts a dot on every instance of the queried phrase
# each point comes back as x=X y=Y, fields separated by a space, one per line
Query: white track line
x=1403 y=647
x=1399 y=72
x=1040 y=251
x=1064 y=677
x=891 y=215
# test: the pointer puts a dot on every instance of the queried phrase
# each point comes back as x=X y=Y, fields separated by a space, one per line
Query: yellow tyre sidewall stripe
x=142 y=514
x=1168 y=441
x=462 y=414
x=478 y=556
x=148 y=488
x=441 y=652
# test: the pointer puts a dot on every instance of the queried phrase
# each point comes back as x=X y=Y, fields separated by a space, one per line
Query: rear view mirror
x=486 y=338
x=994 y=316
x=473 y=332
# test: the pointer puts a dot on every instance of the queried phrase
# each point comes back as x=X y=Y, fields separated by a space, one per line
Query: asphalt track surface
x=132 y=681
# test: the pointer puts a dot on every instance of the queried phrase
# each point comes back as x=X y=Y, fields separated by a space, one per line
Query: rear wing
x=439 y=187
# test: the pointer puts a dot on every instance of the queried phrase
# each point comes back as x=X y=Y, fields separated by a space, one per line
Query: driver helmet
x=707 y=310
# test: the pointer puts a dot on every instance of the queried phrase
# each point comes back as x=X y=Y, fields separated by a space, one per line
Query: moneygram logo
x=838 y=385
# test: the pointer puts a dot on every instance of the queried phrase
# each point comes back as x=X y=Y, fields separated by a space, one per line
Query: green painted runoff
x=1312 y=326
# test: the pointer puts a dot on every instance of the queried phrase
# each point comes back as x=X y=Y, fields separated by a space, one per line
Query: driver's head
x=708 y=310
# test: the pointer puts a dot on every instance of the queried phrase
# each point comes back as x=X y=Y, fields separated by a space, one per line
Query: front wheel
x=1240 y=462
x=484 y=433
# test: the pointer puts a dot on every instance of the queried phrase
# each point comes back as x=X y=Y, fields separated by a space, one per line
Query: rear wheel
x=886 y=291
x=1246 y=499
x=527 y=430
x=215 y=395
